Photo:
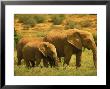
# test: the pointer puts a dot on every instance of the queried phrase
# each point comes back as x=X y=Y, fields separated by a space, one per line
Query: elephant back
x=57 y=38
x=54 y=35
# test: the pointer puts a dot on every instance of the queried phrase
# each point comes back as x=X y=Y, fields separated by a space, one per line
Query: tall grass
x=87 y=68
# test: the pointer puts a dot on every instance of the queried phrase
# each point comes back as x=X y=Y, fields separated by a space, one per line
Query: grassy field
x=87 y=68
x=39 y=26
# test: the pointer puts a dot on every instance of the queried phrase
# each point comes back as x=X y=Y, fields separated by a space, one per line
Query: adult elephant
x=70 y=42
x=35 y=51
x=20 y=45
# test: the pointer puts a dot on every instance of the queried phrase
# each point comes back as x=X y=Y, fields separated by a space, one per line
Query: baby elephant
x=22 y=42
x=35 y=51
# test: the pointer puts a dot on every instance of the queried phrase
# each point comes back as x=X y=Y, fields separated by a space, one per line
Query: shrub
x=39 y=18
x=27 y=20
x=70 y=25
x=16 y=38
x=57 y=19
x=86 y=23
x=22 y=18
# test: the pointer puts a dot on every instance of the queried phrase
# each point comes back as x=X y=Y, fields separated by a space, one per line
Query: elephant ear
x=75 y=40
x=43 y=48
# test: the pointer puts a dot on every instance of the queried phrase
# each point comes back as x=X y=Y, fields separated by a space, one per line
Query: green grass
x=87 y=68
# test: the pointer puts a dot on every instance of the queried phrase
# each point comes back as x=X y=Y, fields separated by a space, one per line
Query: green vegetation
x=87 y=68
x=27 y=20
x=57 y=19
x=70 y=25
x=16 y=38
x=39 y=18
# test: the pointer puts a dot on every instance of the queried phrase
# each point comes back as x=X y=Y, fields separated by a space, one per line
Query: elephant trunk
x=94 y=50
x=52 y=59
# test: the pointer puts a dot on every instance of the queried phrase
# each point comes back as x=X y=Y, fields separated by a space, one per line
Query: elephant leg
x=67 y=59
x=38 y=61
x=95 y=58
x=94 y=50
x=59 y=59
x=19 y=61
x=27 y=63
x=45 y=62
x=78 y=58
x=19 y=56
x=51 y=62
x=68 y=53
x=32 y=63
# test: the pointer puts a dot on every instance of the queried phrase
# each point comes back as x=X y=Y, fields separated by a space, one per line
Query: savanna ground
x=39 y=25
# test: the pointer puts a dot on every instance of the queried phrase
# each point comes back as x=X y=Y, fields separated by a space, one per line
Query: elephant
x=37 y=50
x=23 y=41
x=71 y=41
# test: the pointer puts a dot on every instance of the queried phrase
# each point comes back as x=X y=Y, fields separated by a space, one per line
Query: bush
x=22 y=18
x=39 y=18
x=27 y=20
x=86 y=23
x=57 y=19
x=70 y=25
x=16 y=37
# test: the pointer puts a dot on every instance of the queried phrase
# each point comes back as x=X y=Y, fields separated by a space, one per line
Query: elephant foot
x=32 y=63
x=77 y=66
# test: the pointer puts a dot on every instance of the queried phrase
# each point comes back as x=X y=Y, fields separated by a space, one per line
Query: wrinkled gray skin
x=35 y=51
x=71 y=42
